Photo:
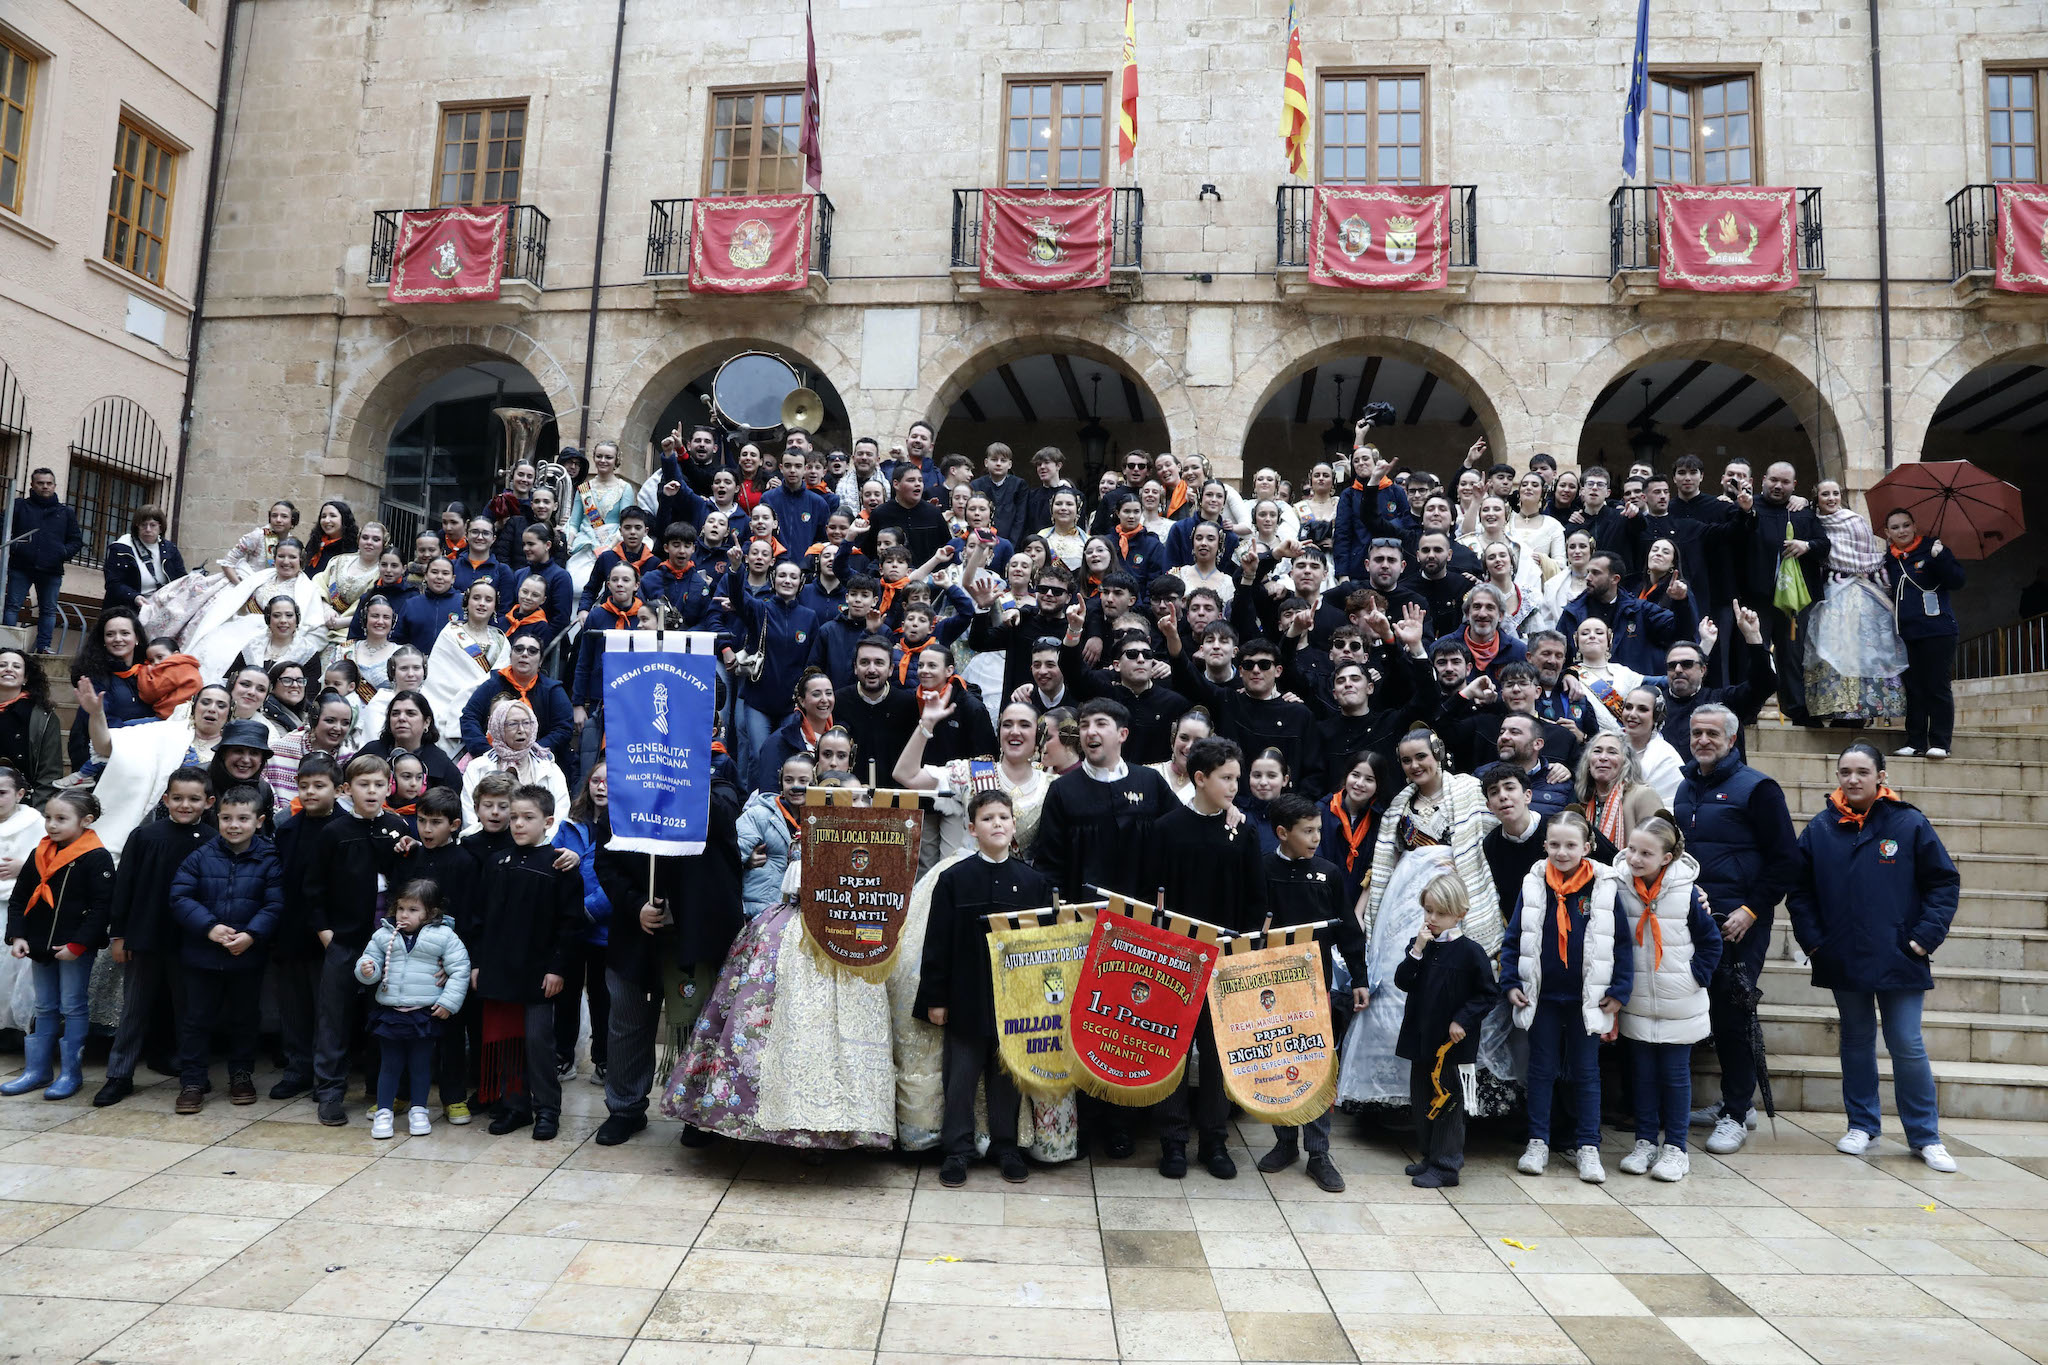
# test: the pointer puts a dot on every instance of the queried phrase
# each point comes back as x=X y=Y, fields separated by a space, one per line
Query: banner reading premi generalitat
x=659 y=688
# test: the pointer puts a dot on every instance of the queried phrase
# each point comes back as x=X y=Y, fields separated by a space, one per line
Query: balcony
x=668 y=258
x=1973 y=262
x=1294 y=208
x=1632 y=260
x=1127 y=246
x=519 y=286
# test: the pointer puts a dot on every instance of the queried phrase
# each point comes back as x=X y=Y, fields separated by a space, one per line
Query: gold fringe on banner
x=1128 y=1096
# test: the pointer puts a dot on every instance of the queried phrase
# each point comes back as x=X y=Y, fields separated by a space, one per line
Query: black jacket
x=1089 y=834
x=1209 y=871
x=879 y=729
x=452 y=868
x=1451 y=983
x=924 y=528
x=955 y=975
x=1305 y=890
x=141 y=913
x=529 y=922
x=84 y=893
x=47 y=535
x=123 y=575
x=1764 y=526
x=341 y=877
x=702 y=891
x=296 y=837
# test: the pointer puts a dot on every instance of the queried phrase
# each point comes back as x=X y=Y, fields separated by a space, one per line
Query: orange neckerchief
x=319 y=555
x=675 y=575
x=925 y=698
x=628 y=618
x=890 y=587
x=903 y=665
x=1123 y=539
x=297 y=805
x=129 y=671
x=50 y=860
x=1650 y=585
x=1482 y=658
x=1566 y=887
x=524 y=690
x=1178 y=500
x=811 y=737
x=409 y=808
x=638 y=561
x=1648 y=919
x=18 y=696
x=1900 y=554
x=1354 y=837
x=795 y=828
x=456 y=547
x=1852 y=818
x=514 y=621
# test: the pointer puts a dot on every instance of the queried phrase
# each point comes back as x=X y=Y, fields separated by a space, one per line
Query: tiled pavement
x=253 y=1234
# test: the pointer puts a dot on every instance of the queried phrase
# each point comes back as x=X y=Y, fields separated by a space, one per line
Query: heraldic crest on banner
x=1379 y=236
x=1727 y=238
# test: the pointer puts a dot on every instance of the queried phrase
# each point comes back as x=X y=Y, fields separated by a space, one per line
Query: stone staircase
x=1986 y=1020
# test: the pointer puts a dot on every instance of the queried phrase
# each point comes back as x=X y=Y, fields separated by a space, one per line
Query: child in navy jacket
x=227 y=898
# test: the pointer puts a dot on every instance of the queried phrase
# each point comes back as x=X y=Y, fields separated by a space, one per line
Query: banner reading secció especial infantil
x=659 y=693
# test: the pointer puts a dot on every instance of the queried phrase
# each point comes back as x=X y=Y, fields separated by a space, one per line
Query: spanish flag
x=1294 y=99
x=1127 y=123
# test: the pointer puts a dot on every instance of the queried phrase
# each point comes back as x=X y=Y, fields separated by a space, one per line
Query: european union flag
x=1638 y=91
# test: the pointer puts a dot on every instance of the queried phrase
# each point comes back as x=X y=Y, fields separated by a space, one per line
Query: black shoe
x=1219 y=1163
x=162 y=1066
x=1119 y=1144
x=290 y=1088
x=507 y=1121
x=1283 y=1155
x=333 y=1113
x=1324 y=1172
x=1173 y=1160
x=693 y=1136
x=1415 y=1168
x=241 y=1088
x=1435 y=1178
x=116 y=1089
x=953 y=1172
x=1011 y=1161
x=545 y=1125
x=618 y=1128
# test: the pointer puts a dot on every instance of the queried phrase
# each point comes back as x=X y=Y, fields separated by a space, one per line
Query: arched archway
x=1091 y=409
x=1996 y=416
x=655 y=391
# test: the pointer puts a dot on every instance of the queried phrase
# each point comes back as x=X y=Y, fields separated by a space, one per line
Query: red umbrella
x=1954 y=502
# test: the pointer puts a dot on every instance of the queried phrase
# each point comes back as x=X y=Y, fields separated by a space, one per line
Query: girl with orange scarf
x=57 y=919
x=619 y=609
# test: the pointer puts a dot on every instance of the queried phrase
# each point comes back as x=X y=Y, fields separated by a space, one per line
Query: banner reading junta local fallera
x=1034 y=967
x=859 y=865
x=1271 y=1010
x=1134 y=1009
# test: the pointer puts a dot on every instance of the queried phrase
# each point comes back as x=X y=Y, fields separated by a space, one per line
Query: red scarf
x=18 y=697
x=1852 y=818
x=629 y=618
x=1354 y=837
x=1482 y=658
x=50 y=860
x=1648 y=919
x=1650 y=585
x=1566 y=888
x=319 y=555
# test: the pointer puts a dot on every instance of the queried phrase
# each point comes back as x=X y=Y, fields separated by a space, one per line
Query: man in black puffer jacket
x=46 y=538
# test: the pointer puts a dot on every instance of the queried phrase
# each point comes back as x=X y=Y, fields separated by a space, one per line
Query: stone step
x=1904 y=774
x=1960 y=990
x=1978 y=836
x=1964 y=1090
x=1950 y=1037
x=1992 y=947
x=1989 y=801
x=1979 y=739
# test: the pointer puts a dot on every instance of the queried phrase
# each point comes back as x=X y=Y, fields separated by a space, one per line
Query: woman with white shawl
x=465 y=654
x=1853 y=655
x=173 y=609
x=341 y=585
x=234 y=619
x=513 y=733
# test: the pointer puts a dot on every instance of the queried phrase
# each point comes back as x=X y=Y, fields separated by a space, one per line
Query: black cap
x=245 y=734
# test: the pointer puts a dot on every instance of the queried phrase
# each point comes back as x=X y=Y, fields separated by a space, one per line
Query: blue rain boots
x=40 y=1048
x=71 y=1074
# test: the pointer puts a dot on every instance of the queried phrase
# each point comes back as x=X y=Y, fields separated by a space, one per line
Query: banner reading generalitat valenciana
x=659 y=694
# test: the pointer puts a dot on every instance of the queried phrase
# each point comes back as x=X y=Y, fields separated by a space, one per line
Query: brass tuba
x=523 y=427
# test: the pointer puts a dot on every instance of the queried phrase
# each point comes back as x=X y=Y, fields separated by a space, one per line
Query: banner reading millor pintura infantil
x=859 y=866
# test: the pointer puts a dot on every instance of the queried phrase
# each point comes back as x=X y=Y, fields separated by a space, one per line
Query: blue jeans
x=1912 y=1077
x=414 y=1060
x=754 y=728
x=60 y=994
x=46 y=586
x=1663 y=1085
x=1559 y=1044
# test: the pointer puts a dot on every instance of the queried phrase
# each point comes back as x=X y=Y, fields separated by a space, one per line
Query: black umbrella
x=1735 y=988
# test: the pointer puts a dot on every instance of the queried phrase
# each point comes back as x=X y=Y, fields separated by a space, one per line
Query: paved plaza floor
x=254 y=1234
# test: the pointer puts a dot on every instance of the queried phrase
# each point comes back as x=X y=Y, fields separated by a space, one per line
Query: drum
x=748 y=390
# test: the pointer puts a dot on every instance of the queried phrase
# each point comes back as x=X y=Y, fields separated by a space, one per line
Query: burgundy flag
x=814 y=160
x=2022 y=241
x=1726 y=239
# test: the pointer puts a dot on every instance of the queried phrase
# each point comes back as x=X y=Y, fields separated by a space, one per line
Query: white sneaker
x=1908 y=752
x=1937 y=753
x=1590 y=1169
x=1672 y=1164
x=1709 y=1115
x=380 y=1124
x=1729 y=1135
x=1937 y=1158
x=1855 y=1142
x=1638 y=1161
x=418 y=1122
x=1534 y=1157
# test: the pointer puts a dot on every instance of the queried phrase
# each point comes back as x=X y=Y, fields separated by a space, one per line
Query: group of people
x=1491 y=732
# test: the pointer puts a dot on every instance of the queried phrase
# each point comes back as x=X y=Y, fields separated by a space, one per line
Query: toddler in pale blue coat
x=421 y=971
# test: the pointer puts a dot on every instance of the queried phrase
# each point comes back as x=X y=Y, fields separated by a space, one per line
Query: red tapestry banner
x=1380 y=236
x=2022 y=250
x=452 y=255
x=1134 y=1009
x=750 y=244
x=1726 y=239
x=1045 y=239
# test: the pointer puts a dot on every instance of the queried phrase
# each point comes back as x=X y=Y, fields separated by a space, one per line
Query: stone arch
x=1838 y=427
x=948 y=374
x=1430 y=342
x=367 y=410
x=1986 y=344
x=670 y=360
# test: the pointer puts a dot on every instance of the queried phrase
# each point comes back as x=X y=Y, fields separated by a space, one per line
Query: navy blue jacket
x=561 y=593
x=593 y=586
x=1363 y=513
x=1737 y=826
x=422 y=616
x=244 y=891
x=550 y=708
x=1864 y=891
x=832 y=647
x=787 y=739
x=397 y=594
x=783 y=632
x=46 y=535
x=1145 y=560
x=1928 y=567
x=491 y=570
x=689 y=592
x=1180 y=544
x=123 y=576
x=799 y=516
x=1642 y=630
x=589 y=679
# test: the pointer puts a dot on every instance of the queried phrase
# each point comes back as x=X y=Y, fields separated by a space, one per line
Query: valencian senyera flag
x=1294 y=99
x=1380 y=236
x=1726 y=239
x=659 y=688
x=1045 y=239
x=451 y=255
x=1127 y=91
x=749 y=243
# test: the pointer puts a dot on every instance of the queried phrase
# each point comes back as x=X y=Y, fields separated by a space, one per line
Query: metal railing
x=526 y=244
x=1126 y=228
x=1294 y=209
x=2021 y=647
x=1972 y=228
x=402 y=525
x=1632 y=229
x=668 y=236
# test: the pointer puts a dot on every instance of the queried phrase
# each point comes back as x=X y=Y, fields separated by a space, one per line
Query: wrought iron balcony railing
x=1126 y=228
x=1294 y=224
x=668 y=236
x=1632 y=229
x=526 y=245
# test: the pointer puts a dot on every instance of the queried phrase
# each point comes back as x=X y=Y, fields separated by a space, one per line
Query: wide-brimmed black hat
x=245 y=734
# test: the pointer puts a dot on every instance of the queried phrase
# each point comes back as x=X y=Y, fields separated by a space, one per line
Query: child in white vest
x=1677 y=947
x=1563 y=970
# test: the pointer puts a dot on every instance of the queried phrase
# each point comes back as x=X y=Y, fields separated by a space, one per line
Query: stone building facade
x=340 y=112
x=94 y=323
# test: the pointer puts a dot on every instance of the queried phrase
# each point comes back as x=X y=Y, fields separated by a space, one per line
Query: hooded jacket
x=1865 y=890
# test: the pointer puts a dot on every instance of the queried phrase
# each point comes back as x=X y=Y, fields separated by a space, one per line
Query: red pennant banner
x=750 y=244
x=1726 y=239
x=1380 y=236
x=452 y=255
x=1045 y=239
x=2022 y=250
x=1134 y=1009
